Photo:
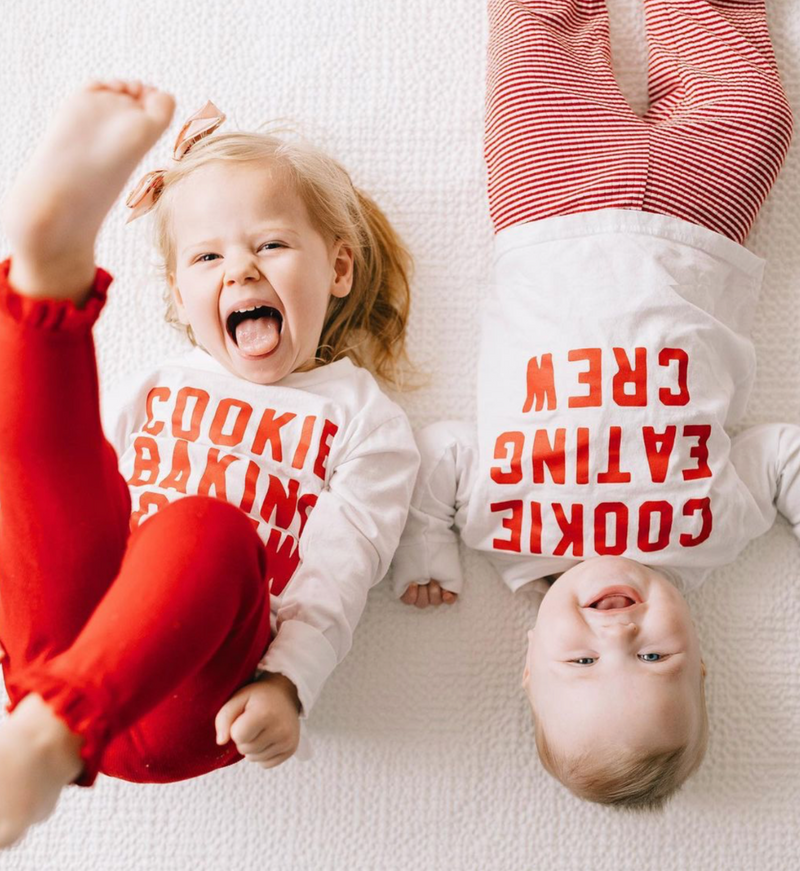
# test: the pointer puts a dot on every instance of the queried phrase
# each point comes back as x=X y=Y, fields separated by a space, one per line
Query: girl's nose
x=241 y=268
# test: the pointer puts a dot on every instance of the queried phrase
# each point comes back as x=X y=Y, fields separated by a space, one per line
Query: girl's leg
x=719 y=122
x=181 y=628
x=64 y=507
x=560 y=136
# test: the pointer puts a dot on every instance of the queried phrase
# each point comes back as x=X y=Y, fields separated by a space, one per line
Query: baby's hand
x=263 y=720
x=431 y=593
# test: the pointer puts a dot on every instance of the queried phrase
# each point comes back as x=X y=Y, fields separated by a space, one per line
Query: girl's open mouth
x=256 y=330
x=614 y=599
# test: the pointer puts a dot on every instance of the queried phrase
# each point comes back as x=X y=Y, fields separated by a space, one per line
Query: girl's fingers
x=271 y=755
x=246 y=729
x=265 y=754
x=434 y=593
x=226 y=716
x=448 y=598
x=256 y=744
x=277 y=760
x=422 y=596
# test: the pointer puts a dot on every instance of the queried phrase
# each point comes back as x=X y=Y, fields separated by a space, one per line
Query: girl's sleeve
x=116 y=414
x=429 y=546
x=345 y=549
x=767 y=459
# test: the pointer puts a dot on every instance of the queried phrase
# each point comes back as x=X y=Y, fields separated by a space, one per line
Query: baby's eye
x=271 y=246
x=205 y=258
x=584 y=660
x=651 y=657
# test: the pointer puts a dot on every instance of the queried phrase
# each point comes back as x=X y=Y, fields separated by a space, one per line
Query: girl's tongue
x=258 y=336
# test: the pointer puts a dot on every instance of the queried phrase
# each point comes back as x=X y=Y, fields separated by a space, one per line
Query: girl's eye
x=584 y=660
x=651 y=657
x=205 y=258
x=271 y=246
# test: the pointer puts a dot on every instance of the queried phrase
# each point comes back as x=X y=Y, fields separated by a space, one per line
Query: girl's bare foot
x=58 y=202
x=39 y=756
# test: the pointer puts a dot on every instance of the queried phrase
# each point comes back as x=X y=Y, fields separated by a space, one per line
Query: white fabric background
x=425 y=756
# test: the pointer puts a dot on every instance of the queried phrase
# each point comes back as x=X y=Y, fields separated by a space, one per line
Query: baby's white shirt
x=614 y=357
x=323 y=462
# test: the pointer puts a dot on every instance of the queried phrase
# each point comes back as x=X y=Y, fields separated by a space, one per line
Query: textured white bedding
x=424 y=753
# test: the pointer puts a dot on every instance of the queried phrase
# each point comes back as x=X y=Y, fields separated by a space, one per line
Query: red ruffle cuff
x=53 y=314
x=83 y=709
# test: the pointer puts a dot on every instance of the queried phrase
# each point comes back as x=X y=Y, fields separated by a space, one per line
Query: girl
x=615 y=353
x=256 y=486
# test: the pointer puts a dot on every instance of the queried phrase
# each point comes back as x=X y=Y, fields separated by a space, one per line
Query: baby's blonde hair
x=635 y=782
x=369 y=324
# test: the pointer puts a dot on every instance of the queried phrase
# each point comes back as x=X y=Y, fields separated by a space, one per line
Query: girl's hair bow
x=146 y=193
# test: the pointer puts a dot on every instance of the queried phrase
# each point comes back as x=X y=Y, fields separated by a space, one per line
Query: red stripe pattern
x=561 y=138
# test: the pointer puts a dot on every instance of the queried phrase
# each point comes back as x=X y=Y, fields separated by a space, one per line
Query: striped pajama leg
x=561 y=138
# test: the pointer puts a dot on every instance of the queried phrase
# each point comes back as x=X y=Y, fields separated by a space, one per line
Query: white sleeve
x=429 y=545
x=767 y=459
x=346 y=547
x=118 y=407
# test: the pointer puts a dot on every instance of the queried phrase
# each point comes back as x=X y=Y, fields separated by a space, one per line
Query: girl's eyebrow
x=267 y=228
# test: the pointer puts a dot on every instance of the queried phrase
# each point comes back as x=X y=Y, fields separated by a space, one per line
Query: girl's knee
x=205 y=509
x=217 y=526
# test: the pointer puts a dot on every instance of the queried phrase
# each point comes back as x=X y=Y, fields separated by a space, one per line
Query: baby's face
x=242 y=237
x=614 y=661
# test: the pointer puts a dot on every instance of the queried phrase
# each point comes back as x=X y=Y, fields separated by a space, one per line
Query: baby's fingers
x=431 y=593
x=410 y=595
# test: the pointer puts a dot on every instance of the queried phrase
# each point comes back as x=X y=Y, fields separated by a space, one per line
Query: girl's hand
x=263 y=720
x=431 y=593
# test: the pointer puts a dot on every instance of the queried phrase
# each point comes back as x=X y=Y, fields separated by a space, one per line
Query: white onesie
x=614 y=357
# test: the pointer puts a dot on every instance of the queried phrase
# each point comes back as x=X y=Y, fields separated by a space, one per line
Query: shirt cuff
x=303 y=654
x=418 y=562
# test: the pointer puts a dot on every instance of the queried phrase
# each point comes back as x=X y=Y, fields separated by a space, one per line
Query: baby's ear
x=180 y=308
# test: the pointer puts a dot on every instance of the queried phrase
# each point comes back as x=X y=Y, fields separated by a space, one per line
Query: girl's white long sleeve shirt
x=323 y=463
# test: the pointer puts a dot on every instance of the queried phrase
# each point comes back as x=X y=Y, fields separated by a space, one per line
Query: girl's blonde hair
x=369 y=324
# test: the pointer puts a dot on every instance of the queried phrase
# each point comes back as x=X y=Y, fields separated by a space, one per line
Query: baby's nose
x=620 y=628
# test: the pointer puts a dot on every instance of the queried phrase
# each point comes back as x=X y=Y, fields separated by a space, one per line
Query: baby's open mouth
x=615 y=599
x=256 y=330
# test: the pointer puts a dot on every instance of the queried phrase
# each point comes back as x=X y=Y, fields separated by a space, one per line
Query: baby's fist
x=431 y=593
x=263 y=720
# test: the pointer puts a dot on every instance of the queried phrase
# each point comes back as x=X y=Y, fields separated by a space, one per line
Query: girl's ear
x=342 y=270
x=177 y=298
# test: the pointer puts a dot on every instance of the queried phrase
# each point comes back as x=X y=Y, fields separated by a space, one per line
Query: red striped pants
x=561 y=138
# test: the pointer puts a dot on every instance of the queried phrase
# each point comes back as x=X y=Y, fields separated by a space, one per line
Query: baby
x=615 y=355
